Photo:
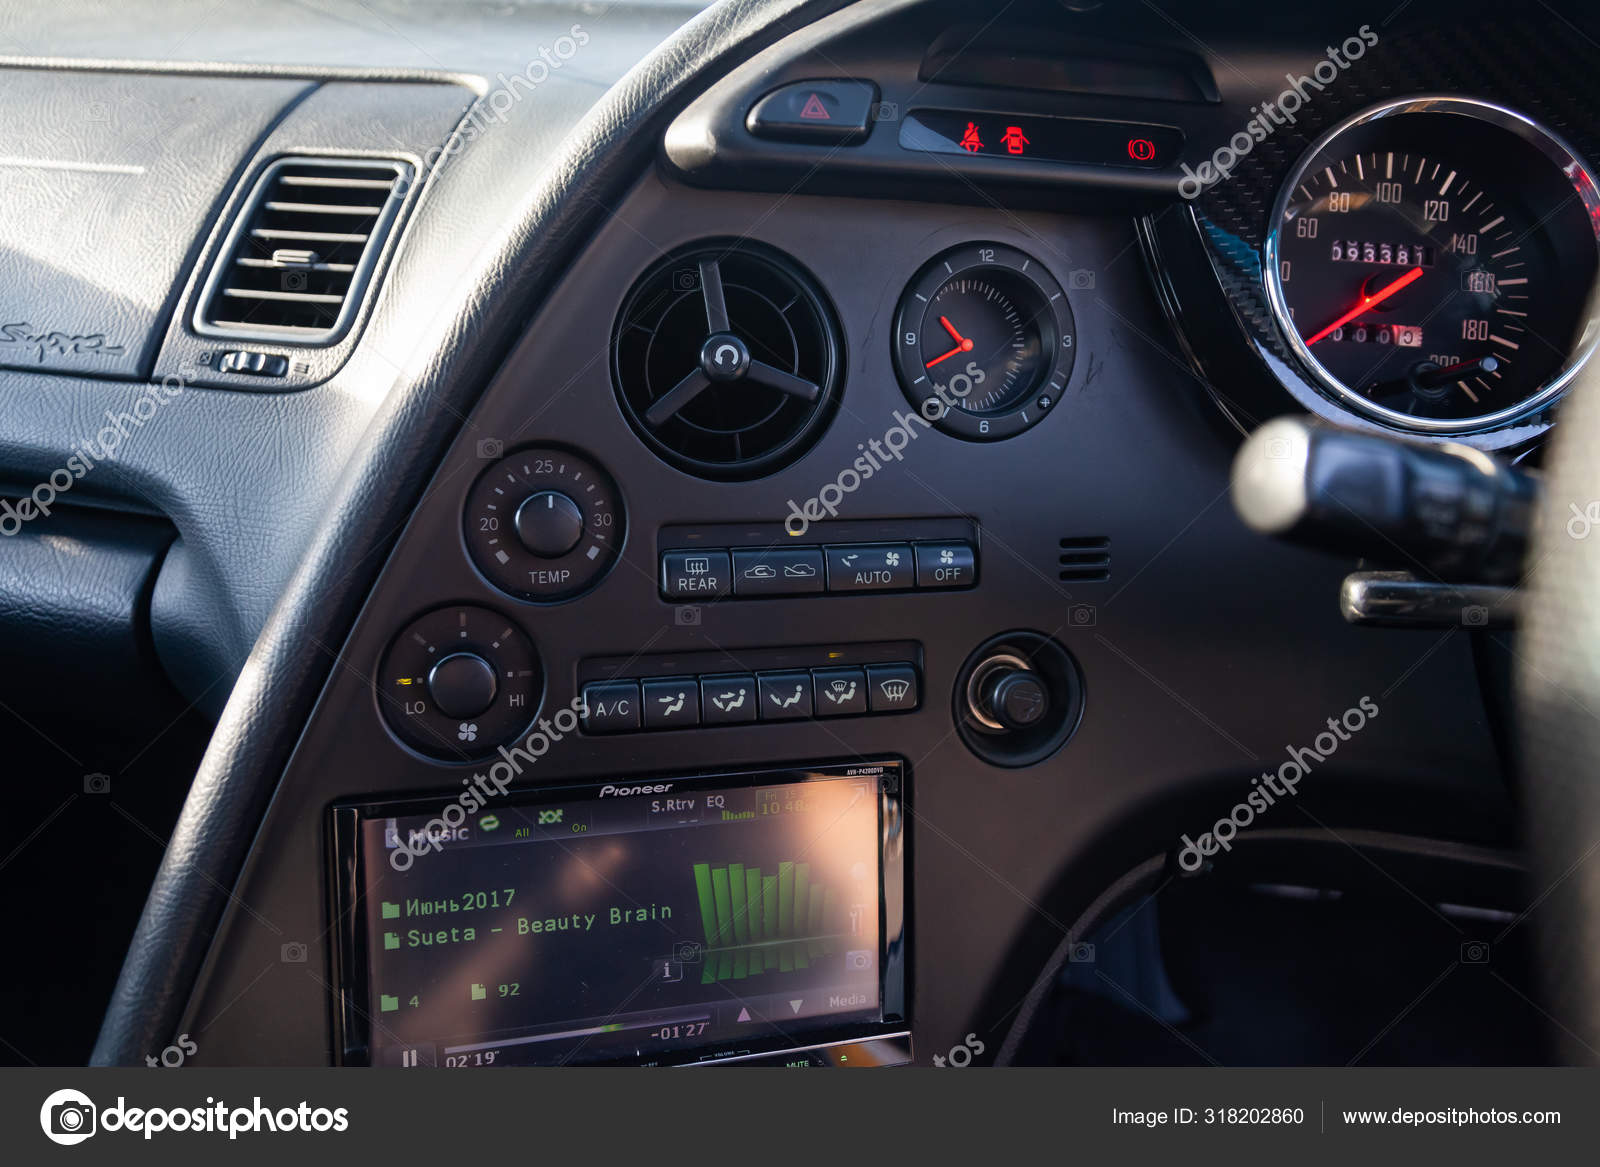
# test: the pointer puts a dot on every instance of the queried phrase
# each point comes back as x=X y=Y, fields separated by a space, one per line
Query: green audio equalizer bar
x=757 y=923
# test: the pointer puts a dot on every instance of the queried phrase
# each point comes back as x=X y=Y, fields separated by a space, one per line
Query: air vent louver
x=303 y=249
x=727 y=361
x=1086 y=560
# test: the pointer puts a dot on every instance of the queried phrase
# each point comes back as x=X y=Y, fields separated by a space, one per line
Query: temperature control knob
x=544 y=524
x=549 y=524
x=459 y=681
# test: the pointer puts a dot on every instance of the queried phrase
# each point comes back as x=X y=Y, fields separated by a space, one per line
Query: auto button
x=870 y=567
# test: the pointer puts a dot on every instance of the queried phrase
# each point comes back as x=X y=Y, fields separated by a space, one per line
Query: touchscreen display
x=634 y=921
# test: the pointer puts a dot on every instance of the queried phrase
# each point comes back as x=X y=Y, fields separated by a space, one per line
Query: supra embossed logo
x=56 y=342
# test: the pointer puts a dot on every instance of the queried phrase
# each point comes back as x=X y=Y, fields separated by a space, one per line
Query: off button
x=946 y=565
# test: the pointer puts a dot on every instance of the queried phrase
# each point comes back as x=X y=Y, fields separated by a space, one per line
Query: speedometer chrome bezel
x=1546 y=143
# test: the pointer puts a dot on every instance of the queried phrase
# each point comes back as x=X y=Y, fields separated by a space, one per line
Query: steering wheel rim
x=1558 y=706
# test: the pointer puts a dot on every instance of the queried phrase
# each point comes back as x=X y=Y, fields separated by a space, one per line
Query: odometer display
x=1430 y=265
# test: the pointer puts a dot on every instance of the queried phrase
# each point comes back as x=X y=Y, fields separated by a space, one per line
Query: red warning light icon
x=1141 y=149
x=970 y=142
x=1014 y=139
x=815 y=111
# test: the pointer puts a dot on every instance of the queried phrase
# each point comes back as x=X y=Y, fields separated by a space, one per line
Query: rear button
x=694 y=575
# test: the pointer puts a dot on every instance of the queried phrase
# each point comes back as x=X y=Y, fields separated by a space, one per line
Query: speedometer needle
x=1366 y=302
x=963 y=343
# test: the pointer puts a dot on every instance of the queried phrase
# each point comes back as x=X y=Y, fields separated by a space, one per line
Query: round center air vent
x=727 y=360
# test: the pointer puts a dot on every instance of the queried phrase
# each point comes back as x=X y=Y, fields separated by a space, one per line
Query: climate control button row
x=622 y=706
x=746 y=572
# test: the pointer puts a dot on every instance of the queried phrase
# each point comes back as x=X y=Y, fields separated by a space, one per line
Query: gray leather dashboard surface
x=108 y=180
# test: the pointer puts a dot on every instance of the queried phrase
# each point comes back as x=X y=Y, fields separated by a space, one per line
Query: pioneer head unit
x=654 y=920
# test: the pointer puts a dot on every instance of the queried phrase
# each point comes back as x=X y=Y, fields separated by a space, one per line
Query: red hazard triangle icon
x=815 y=111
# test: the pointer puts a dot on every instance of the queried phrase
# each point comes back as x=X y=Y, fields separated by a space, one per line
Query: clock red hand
x=963 y=343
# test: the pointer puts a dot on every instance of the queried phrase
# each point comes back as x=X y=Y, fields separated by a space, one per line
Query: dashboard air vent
x=301 y=253
x=1086 y=560
x=727 y=360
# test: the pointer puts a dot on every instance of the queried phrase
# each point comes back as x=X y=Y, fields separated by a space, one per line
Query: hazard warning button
x=816 y=111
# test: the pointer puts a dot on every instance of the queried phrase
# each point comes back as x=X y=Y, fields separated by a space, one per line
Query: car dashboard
x=766 y=591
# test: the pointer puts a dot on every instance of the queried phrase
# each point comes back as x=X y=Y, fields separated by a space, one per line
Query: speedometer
x=1430 y=264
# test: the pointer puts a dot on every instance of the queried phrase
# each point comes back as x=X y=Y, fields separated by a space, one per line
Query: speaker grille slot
x=1086 y=559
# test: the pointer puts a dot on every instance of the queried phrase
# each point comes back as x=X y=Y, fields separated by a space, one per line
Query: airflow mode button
x=777 y=571
x=783 y=696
